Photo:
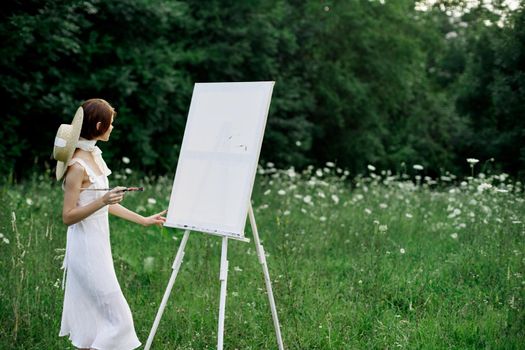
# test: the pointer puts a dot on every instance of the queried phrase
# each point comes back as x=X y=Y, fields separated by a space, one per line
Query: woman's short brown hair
x=96 y=110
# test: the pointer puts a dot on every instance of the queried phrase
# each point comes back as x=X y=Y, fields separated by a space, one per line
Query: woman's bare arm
x=125 y=213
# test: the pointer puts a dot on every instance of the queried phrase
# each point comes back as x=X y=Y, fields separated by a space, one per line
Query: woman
x=95 y=314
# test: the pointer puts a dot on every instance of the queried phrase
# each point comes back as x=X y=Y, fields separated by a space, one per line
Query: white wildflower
x=454 y=235
x=286 y=212
x=5 y=240
x=408 y=215
x=148 y=263
x=371 y=167
x=281 y=192
x=307 y=199
x=237 y=269
x=125 y=160
x=383 y=228
x=417 y=167
x=298 y=143
x=267 y=192
x=472 y=161
x=451 y=35
x=322 y=218
x=152 y=201
x=484 y=186
x=270 y=165
x=383 y=205
x=330 y=164
x=321 y=194
x=503 y=177
x=402 y=251
x=368 y=211
x=128 y=171
x=454 y=213
x=335 y=199
x=29 y=201
x=319 y=173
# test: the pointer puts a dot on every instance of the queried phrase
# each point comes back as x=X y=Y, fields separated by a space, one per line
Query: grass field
x=376 y=262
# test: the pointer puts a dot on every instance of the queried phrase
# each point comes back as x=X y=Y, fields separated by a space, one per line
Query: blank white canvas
x=218 y=159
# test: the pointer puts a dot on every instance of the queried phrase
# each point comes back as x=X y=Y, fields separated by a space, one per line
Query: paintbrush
x=127 y=189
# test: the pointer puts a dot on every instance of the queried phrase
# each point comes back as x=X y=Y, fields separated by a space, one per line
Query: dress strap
x=90 y=172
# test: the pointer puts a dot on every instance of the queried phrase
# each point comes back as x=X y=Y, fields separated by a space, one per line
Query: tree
x=374 y=102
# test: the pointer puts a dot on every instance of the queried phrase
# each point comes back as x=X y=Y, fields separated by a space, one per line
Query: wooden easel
x=223 y=277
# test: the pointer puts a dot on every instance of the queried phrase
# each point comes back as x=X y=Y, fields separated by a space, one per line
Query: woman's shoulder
x=79 y=153
x=76 y=168
x=78 y=162
x=74 y=172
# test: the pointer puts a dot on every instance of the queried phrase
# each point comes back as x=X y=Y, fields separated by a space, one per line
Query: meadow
x=375 y=261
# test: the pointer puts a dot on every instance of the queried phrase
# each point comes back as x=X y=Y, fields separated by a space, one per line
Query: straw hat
x=66 y=142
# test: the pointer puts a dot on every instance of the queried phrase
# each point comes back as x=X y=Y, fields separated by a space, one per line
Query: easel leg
x=223 y=276
x=262 y=261
x=176 y=266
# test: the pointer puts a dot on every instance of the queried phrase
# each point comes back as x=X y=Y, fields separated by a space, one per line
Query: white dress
x=95 y=314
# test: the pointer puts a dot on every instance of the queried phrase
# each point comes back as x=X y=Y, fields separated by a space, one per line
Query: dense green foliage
x=492 y=94
x=357 y=82
x=389 y=264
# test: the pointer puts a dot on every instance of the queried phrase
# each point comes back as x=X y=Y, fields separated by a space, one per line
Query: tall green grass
x=381 y=261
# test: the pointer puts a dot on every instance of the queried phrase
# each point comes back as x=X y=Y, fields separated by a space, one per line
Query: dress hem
x=132 y=346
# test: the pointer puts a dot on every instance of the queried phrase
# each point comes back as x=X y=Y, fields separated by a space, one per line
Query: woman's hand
x=156 y=219
x=114 y=196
